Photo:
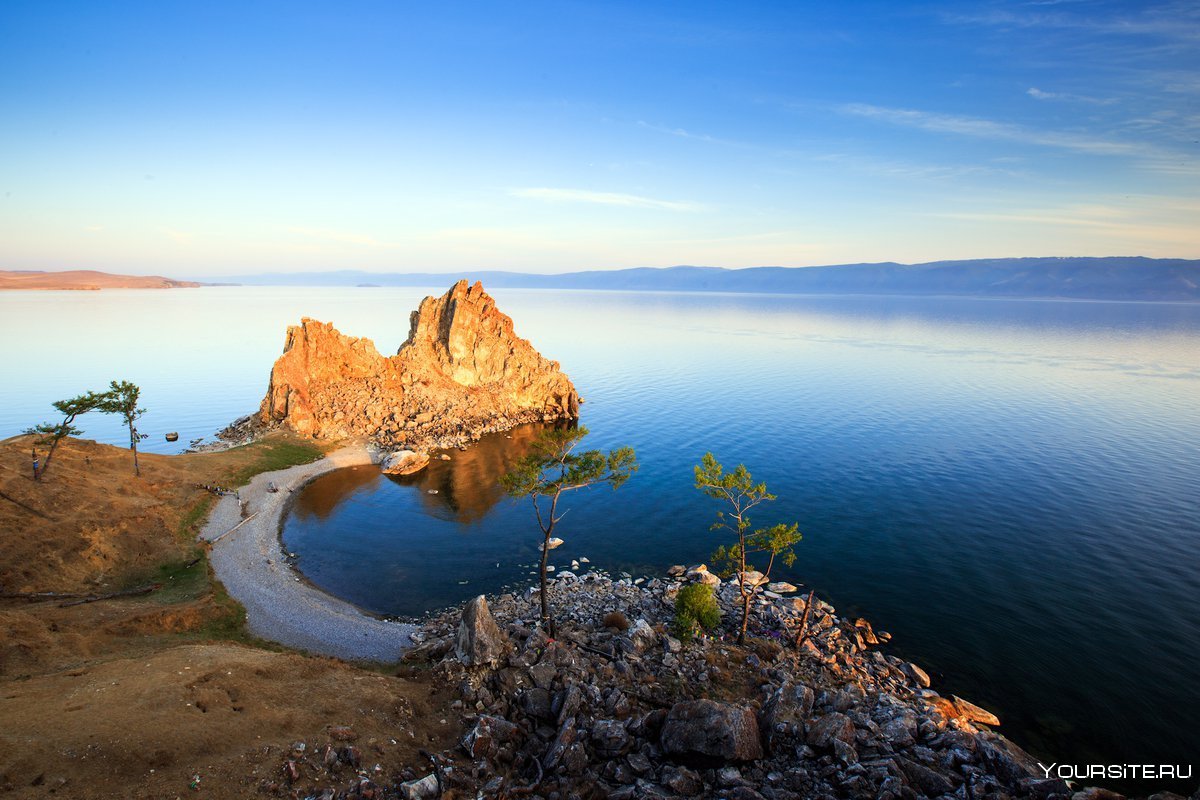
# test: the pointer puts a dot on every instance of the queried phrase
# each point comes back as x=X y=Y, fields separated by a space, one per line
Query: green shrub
x=695 y=609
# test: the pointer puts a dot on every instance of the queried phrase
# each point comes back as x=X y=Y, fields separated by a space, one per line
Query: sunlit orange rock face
x=462 y=372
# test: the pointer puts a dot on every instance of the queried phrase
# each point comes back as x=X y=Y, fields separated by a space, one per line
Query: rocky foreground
x=619 y=707
x=461 y=373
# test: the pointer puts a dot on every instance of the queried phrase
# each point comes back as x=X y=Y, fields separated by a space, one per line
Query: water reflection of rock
x=468 y=485
x=327 y=492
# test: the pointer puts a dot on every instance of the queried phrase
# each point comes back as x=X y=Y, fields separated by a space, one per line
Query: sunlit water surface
x=1009 y=487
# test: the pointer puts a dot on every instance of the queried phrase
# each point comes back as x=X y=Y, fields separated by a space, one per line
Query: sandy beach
x=280 y=606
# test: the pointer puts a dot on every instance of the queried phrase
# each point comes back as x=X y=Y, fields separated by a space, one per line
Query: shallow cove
x=403 y=545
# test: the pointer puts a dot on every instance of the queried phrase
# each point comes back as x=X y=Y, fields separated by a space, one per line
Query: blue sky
x=212 y=138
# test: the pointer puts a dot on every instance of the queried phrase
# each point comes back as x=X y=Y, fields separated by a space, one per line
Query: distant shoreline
x=1120 y=278
x=85 y=280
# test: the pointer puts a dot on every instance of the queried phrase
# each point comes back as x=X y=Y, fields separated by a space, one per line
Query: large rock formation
x=462 y=372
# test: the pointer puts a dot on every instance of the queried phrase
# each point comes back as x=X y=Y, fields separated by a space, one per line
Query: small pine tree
x=122 y=398
x=740 y=493
x=552 y=468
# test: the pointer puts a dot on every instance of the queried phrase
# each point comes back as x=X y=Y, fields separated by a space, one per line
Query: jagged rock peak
x=472 y=340
x=462 y=372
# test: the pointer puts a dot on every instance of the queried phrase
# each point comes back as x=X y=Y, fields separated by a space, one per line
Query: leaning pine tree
x=51 y=434
x=122 y=398
x=739 y=494
x=552 y=468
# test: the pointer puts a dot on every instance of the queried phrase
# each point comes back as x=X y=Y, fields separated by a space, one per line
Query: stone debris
x=618 y=706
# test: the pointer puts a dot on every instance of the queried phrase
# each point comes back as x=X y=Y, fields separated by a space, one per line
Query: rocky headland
x=618 y=706
x=813 y=706
x=462 y=372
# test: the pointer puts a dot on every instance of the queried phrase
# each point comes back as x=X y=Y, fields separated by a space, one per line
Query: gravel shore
x=280 y=605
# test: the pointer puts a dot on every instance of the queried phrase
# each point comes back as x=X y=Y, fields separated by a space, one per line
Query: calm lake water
x=1010 y=488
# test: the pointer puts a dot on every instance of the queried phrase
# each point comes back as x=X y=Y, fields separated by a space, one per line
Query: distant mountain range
x=85 y=279
x=1114 y=278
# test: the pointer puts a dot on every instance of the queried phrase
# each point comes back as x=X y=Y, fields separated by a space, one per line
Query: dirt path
x=249 y=561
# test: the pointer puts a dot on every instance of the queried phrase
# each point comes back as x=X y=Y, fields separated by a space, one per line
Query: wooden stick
x=25 y=506
x=235 y=527
x=111 y=595
x=803 y=634
x=36 y=597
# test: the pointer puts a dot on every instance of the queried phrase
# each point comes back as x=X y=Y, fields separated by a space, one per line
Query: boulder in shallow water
x=974 y=713
x=403 y=462
x=480 y=642
x=916 y=674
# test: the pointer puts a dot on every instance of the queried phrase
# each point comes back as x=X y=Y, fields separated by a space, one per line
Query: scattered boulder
x=916 y=674
x=423 y=789
x=924 y=780
x=480 y=642
x=706 y=730
x=973 y=713
x=834 y=725
x=609 y=738
x=492 y=737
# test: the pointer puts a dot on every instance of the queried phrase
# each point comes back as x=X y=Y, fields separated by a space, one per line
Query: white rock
x=403 y=462
x=553 y=543
x=781 y=587
x=422 y=789
x=753 y=578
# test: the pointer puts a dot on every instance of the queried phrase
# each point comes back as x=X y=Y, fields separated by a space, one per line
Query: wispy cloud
x=1159 y=219
x=683 y=133
x=921 y=171
x=604 y=198
x=990 y=129
x=1038 y=94
x=1176 y=22
x=1148 y=156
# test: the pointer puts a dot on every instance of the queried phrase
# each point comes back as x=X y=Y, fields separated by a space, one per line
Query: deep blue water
x=1009 y=487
